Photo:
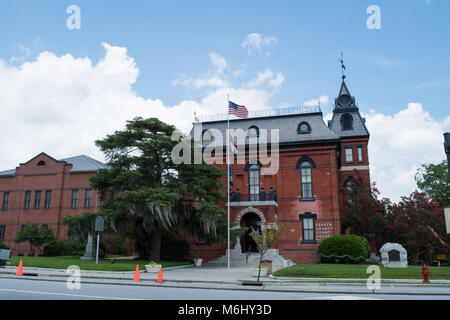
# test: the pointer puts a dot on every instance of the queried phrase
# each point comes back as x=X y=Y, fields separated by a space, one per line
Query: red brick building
x=44 y=191
x=311 y=189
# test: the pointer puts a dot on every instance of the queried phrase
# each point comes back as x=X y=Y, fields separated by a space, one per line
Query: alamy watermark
x=374 y=280
x=74 y=280
x=374 y=20
x=74 y=20
x=209 y=146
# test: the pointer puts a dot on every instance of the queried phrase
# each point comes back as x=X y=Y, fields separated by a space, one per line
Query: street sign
x=447 y=218
x=99 y=224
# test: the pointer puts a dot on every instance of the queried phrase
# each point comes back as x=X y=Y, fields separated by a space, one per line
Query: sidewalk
x=218 y=277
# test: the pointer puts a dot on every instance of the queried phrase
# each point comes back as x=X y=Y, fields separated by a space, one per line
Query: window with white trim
x=360 y=153
x=348 y=154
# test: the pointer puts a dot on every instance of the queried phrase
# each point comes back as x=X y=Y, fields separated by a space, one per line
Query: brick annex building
x=44 y=191
x=310 y=191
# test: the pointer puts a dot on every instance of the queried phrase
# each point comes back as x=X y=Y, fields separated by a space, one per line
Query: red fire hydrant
x=425 y=273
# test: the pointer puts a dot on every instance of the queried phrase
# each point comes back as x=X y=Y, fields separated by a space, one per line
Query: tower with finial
x=342 y=65
x=348 y=124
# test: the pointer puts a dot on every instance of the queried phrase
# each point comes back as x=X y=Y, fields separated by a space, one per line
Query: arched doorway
x=251 y=220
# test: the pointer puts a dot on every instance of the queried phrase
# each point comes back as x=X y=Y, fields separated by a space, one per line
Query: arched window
x=41 y=163
x=253 y=181
x=347 y=122
x=304 y=128
x=306 y=179
x=306 y=166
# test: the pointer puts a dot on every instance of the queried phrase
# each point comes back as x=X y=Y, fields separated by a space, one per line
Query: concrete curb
x=237 y=285
x=362 y=280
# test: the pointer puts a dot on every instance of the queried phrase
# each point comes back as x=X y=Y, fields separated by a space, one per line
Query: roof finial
x=342 y=65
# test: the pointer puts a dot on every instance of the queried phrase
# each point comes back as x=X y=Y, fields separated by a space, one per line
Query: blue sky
x=407 y=60
x=171 y=45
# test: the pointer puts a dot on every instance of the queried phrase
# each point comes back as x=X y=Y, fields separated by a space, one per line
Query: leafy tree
x=434 y=180
x=153 y=193
x=264 y=240
x=36 y=235
x=366 y=216
x=417 y=222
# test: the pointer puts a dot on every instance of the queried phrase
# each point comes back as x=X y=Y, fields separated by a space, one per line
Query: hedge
x=348 y=249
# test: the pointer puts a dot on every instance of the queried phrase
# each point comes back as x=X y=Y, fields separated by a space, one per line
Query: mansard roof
x=286 y=124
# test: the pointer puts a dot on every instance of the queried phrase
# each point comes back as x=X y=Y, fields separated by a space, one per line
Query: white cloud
x=218 y=61
x=21 y=54
x=322 y=100
x=213 y=78
x=274 y=80
x=446 y=124
x=255 y=41
x=61 y=104
x=399 y=144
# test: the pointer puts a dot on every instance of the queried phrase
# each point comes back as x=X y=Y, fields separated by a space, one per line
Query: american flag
x=233 y=145
x=238 y=111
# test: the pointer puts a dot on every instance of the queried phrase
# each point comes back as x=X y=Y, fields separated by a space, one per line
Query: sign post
x=447 y=151
x=99 y=227
x=447 y=219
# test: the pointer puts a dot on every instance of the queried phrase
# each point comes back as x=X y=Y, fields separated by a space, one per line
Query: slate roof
x=80 y=163
x=8 y=173
x=286 y=124
x=84 y=164
x=359 y=127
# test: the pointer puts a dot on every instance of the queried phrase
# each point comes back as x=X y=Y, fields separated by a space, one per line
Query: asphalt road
x=20 y=289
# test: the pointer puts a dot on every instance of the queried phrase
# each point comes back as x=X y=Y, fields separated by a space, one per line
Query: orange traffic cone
x=137 y=276
x=19 y=270
x=160 y=277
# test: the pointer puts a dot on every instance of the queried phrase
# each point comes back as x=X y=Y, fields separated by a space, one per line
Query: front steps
x=237 y=258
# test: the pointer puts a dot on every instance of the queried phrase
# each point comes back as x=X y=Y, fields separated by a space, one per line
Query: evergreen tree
x=153 y=194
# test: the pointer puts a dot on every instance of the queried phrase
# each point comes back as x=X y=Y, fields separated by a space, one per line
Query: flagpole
x=228 y=178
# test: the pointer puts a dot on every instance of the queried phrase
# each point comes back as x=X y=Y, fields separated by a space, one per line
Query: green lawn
x=359 y=272
x=103 y=264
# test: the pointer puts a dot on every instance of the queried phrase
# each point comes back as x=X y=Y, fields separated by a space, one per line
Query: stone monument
x=90 y=249
x=393 y=255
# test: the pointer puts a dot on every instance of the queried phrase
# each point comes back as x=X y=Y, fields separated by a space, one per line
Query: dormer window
x=347 y=122
x=41 y=163
x=207 y=135
x=253 y=131
x=252 y=135
x=304 y=128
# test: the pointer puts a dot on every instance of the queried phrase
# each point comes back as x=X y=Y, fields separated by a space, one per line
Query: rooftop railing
x=262 y=113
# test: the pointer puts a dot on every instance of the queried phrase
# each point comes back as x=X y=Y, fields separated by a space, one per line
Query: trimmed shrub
x=367 y=246
x=62 y=247
x=346 y=249
x=3 y=246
